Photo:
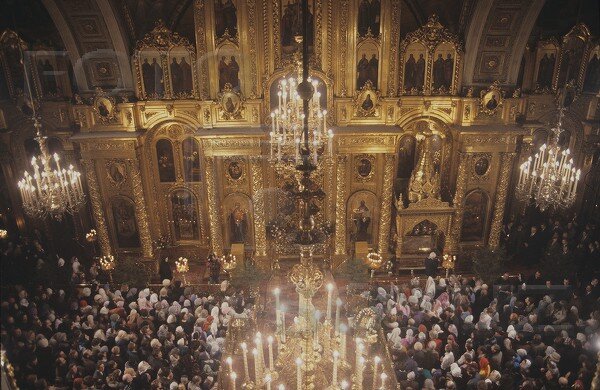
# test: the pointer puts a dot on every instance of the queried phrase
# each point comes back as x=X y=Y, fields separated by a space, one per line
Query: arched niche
x=547 y=53
x=228 y=57
x=190 y=150
x=237 y=216
x=475 y=216
x=165 y=160
x=123 y=223
x=414 y=60
x=572 y=55
x=367 y=63
x=185 y=224
x=591 y=81
x=362 y=213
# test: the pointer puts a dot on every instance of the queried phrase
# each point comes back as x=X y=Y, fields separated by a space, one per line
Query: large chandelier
x=288 y=140
x=51 y=190
x=550 y=178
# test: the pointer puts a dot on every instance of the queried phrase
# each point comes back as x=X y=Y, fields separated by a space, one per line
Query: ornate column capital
x=97 y=207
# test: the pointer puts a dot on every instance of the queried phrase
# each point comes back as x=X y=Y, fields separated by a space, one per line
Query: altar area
x=309 y=332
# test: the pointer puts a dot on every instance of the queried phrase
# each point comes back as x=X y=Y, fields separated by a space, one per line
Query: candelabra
x=229 y=263
x=51 y=190
x=316 y=343
x=182 y=267
x=107 y=263
x=287 y=137
x=91 y=236
x=550 y=178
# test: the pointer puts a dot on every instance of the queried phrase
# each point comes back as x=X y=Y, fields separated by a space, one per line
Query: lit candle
x=376 y=361
x=256 y=365
x=281 y=387
x=298 y=373
x=283 y=334
x=338 y=305
x=343 y=329
x=229 y=361
x=316 y=329
x=270 y=341
x=245 y=353
x=359 y=373
x=233 y=377
x=344 y=384
x=276 y=292
x=268 y=381
x=329 y=296
x=359 y=351
x=336 y=356
x=383 y=378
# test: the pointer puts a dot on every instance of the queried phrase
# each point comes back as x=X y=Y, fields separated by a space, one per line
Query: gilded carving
x=231 y=103
x=140 y=208
x=340 y=208
x=201 y=47
x=251 y=8
x=342 y=44
x=394 y=44
x=260 y=237
x=364 y=167
x=116 y=172
x=235 y=170
x=491 y=99
x=97 y=208
x=367 y=102
x=104 y=107
x=216 y=234
x=480 y=168
x=506 y=165
x=461 y=185
x=385 y=216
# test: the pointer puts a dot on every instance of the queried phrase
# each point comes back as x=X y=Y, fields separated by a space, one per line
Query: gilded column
x=386 y=204
x=216 y=235
x=506 y=165
x=461 y=185
x=140 y=208
x=329 y=189
x=340 y=208
x=258 y=201
x=97 y=209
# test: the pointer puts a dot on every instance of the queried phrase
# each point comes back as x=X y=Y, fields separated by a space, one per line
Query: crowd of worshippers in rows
x=534 y=237
x=98 y=337
x=517 y=333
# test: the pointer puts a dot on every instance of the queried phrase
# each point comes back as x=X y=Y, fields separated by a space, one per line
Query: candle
x=344 y=384
x=281 y=387
x=383 y=378
x=359 y=373
x=376 y=361
x=336 y=355
x=256 y=365
x=329 y=295
x=229 y=361
x=283 y=335
x=338 y=305
x=268 y=381
x=270 y=341
x=298 y=373
x=343 y=329
x=245 y=353
x=359 y=350
x=276 y=292
x=233 y=377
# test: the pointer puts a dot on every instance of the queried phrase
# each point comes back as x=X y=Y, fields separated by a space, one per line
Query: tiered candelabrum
x=182 y=266
x=317 y=346
x=287 y=121
x=107 y=263
x=550 y=178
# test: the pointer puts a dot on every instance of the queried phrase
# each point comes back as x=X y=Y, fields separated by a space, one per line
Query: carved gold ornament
x=364 y=167
x=116 y=172
x=491 y=99
x=104 y=107
x=235 y=170
x=367 y=102
x=231 y=103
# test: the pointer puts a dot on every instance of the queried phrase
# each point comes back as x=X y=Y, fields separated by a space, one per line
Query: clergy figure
x=238 y=224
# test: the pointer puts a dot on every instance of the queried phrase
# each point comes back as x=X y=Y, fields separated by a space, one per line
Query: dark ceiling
x=31 y=21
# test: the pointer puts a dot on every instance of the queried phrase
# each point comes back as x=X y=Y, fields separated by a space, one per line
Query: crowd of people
x=536 y=237
x=517 y=333
x=93 y=336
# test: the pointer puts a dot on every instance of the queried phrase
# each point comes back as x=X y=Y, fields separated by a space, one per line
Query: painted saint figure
x=362 y=221
x=592 y=75
x=148 y=77
x=369 y=17
x=225 y=18
x=48 y=78
x=238 y=224
x=367 y=105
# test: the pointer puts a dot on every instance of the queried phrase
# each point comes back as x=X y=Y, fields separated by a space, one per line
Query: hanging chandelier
x=288 y=139
x=51 y=190
x=550 y=178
